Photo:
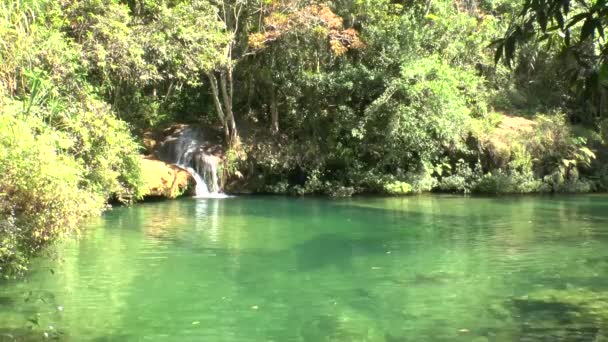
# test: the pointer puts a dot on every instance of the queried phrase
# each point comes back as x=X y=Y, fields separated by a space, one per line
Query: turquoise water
x=428 y=268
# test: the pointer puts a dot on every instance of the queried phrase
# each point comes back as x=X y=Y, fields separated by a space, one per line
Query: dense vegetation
x=334 y=98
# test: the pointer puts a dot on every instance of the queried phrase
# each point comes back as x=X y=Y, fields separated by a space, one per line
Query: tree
x=232 y=14
x=577 y=28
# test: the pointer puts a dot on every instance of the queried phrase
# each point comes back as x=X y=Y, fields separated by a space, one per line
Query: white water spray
x=185 y=151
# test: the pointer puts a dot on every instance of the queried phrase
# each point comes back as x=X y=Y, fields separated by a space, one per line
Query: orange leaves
x=320 y=18
x=341 y=41
x=324 y=15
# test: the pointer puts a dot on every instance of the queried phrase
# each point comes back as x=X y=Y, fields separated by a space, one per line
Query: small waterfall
x=201 y=186
x=183 y=149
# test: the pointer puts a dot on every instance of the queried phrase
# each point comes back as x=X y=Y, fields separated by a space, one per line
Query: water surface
x=428 y=268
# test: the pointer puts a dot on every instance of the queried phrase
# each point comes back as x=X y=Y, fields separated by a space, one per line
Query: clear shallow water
x=429 y=268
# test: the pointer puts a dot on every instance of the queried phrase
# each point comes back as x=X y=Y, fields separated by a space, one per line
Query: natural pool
x=427 y=268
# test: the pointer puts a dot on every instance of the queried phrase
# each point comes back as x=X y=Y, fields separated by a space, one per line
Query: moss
x=563 y=315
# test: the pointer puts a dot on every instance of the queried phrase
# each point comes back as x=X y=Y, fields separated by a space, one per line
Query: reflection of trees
x=421 y=267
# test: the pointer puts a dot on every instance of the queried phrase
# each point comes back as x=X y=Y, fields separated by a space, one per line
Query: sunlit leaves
x=312 y=17
x=546 y=16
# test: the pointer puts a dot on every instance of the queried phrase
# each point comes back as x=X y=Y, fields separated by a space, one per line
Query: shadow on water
x=561 y=315
x=332 y=245
x=30 y=334
x=334 y=250
x=6 y=301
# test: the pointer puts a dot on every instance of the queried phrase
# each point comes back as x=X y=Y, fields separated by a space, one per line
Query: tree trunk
x=218 y=105
x=274 y=111
x=227 y=97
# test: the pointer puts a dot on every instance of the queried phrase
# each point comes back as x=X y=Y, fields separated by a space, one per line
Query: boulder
x=163 y=179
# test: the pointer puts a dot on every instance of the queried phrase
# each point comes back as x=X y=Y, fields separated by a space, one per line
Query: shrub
x=41 y=199
x=398 y=188
x=463 y=179
x=513 y=182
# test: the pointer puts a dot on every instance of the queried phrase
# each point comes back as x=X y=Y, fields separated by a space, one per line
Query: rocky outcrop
x=163 y=179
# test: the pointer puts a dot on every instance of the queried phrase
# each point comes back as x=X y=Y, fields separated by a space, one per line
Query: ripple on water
x=258 y=269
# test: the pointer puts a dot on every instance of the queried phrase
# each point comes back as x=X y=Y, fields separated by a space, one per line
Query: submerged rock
x=563 y=315
x=163 y=179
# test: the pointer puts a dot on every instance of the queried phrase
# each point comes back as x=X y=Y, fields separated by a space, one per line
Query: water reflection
x=258 y=269
x=207 y=217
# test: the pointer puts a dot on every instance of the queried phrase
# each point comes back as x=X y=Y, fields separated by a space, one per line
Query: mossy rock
x=164 y=180
x=563 y=315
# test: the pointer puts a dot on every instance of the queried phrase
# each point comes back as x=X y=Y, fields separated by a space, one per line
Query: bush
x=41 y=199
x=513 y=182
x=463 y=179
x=57 y=170
x=104 y=144
x=398 y=188
x=426 y=112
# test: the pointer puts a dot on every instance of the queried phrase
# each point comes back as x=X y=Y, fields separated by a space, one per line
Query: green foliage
x=561 y=46
x=41 y=199
x=427 y=111
x=463 y=179
x=398 y=188
x=556 y=147
x=62 y=149
x=511 y=182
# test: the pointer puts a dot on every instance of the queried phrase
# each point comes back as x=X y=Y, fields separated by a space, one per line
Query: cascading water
x=184 y=150
x=201 y=189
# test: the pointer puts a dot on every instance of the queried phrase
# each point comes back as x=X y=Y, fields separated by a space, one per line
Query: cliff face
x=163 y=179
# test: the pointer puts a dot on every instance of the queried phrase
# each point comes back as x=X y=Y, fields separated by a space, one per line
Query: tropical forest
x=304 y=170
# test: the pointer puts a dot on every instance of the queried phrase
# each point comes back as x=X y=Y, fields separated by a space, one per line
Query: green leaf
x=510 y=49
x=566 y=6
x=498 y=53
x=603 y=75
x=587 y=152
x=542 y=19
x=588 y=28
x=560 y=19
x=577 y=18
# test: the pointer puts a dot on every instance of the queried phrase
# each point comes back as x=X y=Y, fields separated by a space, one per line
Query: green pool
x=427 y=268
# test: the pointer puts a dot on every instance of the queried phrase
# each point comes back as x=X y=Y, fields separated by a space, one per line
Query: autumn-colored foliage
x=281 y=21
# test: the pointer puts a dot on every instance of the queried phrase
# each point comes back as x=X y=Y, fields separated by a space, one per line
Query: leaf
x=510 y=49
x=526 y=8
x=587 y=152
x=542 y=19
x=568 y=162
x=577 y=18
x=587 y=29
x=566 y=6
x=498 y=53
x=600 y=28
x=560 y=19
x=603 y=74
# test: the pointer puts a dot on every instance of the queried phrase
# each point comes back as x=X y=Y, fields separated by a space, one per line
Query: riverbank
x=513 y=155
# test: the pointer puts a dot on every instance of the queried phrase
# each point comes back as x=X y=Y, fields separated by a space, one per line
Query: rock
x=150 y=141
x=164 y=180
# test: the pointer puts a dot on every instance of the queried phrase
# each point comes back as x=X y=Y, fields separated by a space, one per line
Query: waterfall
x=183 y=149
x=201 y=186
